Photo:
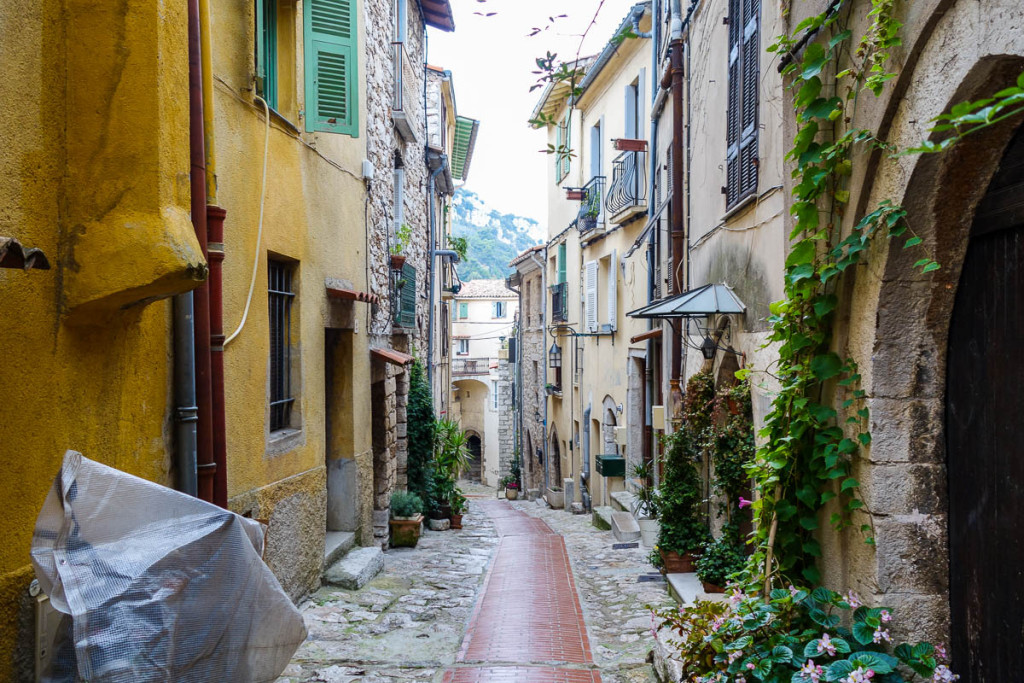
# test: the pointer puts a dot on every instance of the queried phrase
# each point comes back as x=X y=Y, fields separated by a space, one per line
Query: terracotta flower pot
x=676 y=563
x=712 y=588
x=405 y=531
x=511 y=494
x=397 y=261
x=456 y=521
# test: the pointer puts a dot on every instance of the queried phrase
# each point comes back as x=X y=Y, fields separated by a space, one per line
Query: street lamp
x=555 y=356
x=708 y=348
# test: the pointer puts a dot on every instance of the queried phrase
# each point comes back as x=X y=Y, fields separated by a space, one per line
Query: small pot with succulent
x=406 y=519
x=400 y=248
x=645 y=505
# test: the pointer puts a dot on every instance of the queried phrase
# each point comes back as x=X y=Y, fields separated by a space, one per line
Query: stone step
x=623 y=500
x=624 y=527
x=687 y=589
x=603 y=517
x=356 y=569
x=337 y=544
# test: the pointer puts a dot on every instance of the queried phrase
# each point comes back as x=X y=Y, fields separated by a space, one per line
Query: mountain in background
x=494 y=238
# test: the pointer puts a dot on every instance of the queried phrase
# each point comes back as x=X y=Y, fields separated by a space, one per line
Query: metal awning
x=465 y=142
x=696 y=303
x=14 y=255
x=392 y=356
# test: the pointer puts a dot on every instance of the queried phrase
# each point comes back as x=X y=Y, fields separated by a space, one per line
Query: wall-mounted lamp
x=708 y=348
x=555 y=356
x=618 y=409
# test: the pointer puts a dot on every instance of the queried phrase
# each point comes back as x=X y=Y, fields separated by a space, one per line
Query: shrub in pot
x=459 y=504
x=718 y=561
x=406 y=519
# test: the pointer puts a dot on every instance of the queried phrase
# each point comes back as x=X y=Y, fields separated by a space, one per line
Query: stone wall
x=532 y=396
x=506 y=417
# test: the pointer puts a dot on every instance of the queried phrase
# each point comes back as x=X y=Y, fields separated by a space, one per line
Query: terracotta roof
x=525 y=255
x=392 y=356
x=438 y=13
x=485 y=289
x=352 y=295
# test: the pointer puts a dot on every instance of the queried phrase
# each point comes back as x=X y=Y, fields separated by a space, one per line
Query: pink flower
x=812 y=672
x=734 y=655
x=861 y=675
x=944 y=675
x=940 y=651
x=853 y=599
x=744 y=503
x=750 y=665
x=792 y=590
x=825 y=645
x=882 y=634
x=885 y=616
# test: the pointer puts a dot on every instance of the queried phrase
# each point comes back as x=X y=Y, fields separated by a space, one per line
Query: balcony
x=559 y=302
x=627 y=194
x=465 y=367
x=403 y=298
x=401 y=111
x=590 y=215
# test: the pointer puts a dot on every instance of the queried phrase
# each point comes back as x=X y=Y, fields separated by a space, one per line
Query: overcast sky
x=491 y=59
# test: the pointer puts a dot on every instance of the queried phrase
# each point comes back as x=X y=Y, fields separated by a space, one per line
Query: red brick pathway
x=528 y=626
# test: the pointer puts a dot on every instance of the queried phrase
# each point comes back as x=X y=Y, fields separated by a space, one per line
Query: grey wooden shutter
x=748 y=113
x=332 y=81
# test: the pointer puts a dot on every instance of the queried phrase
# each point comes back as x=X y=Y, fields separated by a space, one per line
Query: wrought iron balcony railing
x=470 y=366
x=629 y=183
x=590 y=214
x=559 y=302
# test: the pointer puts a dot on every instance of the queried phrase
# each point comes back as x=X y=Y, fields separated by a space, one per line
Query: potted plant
x=645 y=505
x=555 y=497
x=451 y=458
x=398 y=250
x=511 y=486
x=719 y=560
x=406 y=519
x=550 y=389
x=458 y=504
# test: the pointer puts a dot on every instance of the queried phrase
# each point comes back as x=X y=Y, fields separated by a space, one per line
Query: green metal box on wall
x=611 y=465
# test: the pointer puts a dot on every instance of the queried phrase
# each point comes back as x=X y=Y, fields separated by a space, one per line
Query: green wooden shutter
x=561 y=263
x=266 y=51
x=332 y=80
x=463 y=310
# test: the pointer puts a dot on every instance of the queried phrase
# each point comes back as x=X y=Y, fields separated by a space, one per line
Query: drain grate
x=651 y=578
x=624 y=546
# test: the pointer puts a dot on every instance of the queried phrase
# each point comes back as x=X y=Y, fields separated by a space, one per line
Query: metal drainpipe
x=648 y=437
x=431 y=255
x=677 y=223
x=206 y=465
x=585 y=475
x=543 y=343
x=185 y=394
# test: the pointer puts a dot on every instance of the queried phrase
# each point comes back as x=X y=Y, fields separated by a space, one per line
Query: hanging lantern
x=708 y=348
x=555 y=356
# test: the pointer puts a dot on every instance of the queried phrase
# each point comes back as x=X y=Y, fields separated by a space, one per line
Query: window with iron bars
x=281 y=297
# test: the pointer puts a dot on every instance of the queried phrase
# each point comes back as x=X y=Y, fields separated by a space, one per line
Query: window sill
x=740 y=206
x=284 y=441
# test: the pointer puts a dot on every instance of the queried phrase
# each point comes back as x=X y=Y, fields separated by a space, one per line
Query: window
x=331 y=64
x=462 y=347
x=590 y=275
x=266 y=51
x=499 y=309
x=494 y=394
x=598 y=320
x=562 y=149
x=463 y=310
x=281 y=296
x=633 y=110
x=741 y=124
x=595 y=149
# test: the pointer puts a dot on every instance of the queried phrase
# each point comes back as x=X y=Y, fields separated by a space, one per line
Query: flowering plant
x=795 y=636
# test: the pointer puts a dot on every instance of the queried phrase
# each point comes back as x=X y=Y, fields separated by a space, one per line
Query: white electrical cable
x=259 y=231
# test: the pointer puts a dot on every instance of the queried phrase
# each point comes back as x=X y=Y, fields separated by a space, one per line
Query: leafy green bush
x=421 y=432
x=719 y=560
x=405 y=504
x=795 y=637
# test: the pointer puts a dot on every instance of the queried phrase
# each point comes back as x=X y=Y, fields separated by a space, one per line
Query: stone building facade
x=531 y=373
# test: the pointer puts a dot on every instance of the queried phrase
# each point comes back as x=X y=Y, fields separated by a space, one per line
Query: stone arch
x=475 y=442
x=609 y=421
x=898 y=330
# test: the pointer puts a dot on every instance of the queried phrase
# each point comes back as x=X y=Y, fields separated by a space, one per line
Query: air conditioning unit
x=621 y=436
x=658 y=418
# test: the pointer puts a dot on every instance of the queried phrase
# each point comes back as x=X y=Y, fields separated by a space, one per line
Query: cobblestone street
x=490 y=602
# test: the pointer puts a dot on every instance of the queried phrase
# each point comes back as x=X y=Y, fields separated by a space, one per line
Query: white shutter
x=613 y=278
x=590 y=295
x=399 y=198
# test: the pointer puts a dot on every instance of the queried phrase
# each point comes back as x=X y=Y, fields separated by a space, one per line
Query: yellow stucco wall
x=314 y=216
x=95 y=172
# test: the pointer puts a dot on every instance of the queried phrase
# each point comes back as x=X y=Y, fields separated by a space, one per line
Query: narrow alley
x=522 y=593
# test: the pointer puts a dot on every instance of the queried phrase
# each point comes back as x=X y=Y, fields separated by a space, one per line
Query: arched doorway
x=554 y=468
x=985 y=435
x=476 y=457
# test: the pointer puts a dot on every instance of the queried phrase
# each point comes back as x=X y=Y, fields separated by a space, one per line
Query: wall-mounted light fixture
x=555 y=356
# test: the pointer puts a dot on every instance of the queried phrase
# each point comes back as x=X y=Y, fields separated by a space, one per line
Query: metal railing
x=470 y=366
x=559 y=302
x=590 y=214
x=629 y=182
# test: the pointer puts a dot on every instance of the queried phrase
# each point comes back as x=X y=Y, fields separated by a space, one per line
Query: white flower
x=944 y=675
x=882 y=634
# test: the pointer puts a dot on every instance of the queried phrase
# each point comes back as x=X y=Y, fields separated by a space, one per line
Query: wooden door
x=985 y=437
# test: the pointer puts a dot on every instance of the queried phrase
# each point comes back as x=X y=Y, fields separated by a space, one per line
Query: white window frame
x=494 y=395
x=461 y=347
